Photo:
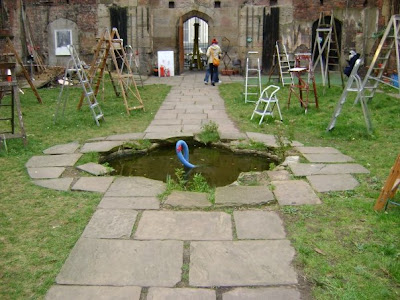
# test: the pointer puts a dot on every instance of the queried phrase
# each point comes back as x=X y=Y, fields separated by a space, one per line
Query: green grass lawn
x=345 y=250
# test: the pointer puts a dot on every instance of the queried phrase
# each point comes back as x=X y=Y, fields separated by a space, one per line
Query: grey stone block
x=184 y=225
x=102 y=146
x=187 y=199
x=130 y=203
x=327 y=157
x=62 y=149
x=330 y=183
x=242 y=195
x=326 y=169
x=258 y=224
x=318 y=150
x=93 y=168
x=294 y=192
x=273 y=293
x=93 y=184
x=123 y=263
x=60 y=184
x=49 y=172
x=67 y=292
x=135 y=186
x=241 y=263
x=111 y=224
x=156 y=293
x=61 y=160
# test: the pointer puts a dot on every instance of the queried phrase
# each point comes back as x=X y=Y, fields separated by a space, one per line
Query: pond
x=219 y=166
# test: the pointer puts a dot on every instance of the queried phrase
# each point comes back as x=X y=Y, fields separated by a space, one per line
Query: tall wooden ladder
x=111 y=45
x=252 y=84
x=326 y=52
x=353 y=85
x=75 y=65
x=10 y=107
x=283 y=63
x=390 y=42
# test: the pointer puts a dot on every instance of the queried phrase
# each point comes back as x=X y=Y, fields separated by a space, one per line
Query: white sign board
x=165 y=63
x=63 y=38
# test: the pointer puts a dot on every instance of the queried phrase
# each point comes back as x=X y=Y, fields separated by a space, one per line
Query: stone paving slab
x=258 y=224
x=156 y=293
x=62 y=149
x=110 y=224
x=49 y=172
x=166 y=135
x=123 y=262
x=331 y=183
x=326 y=169
x=102 y=146
x=76 y=292
x=130 y=203
x=126 y=136
x=294 y=192
x=327 y=157
x=92 y=184
x=135 y=186
x=241 y=263
x=278 y=175
x=232 y=135
x=242 y=195
x=273 y=293
x=184 y=225
x=187 y=199
x=267 y=139
x=59 y=184
x=93 y=168
x=61 y=160
x=318 y=150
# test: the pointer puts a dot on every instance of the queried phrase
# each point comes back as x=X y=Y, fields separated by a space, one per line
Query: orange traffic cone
x=9 y=79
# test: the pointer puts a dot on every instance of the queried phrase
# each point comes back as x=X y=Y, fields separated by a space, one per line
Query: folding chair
x=266 y=103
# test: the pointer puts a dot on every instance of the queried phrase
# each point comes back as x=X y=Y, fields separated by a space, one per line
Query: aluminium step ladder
x=326 y=50
x=284 y=64
x=252 y=85
x=353 y=85
x=75 y=65
x=132 y=58
x=389 y=44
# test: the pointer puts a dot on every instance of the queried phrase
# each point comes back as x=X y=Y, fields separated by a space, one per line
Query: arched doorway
x=184 y=43
x=195 y=28
x=338 y=26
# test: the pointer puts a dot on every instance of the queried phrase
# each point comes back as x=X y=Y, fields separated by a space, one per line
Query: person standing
x=214 y=51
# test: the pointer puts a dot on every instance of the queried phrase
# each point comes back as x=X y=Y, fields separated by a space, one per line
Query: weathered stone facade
x=154 y=25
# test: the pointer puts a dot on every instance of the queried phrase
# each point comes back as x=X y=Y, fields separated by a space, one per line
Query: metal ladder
x=283 y=63
x=354 y=79
x=328 y=50
x=375 y=74
x=130 y=54
x=252 y=86
x=75 y=65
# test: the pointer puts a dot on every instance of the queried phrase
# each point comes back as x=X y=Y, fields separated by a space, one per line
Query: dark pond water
x=219 y=166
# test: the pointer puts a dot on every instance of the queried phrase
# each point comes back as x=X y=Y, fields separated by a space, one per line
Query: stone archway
x=191 y=14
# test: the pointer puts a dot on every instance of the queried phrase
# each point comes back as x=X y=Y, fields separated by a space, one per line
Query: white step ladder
x=75 y=65
x=252 y=86
x=283 y=63
x=353 y=85
x=267 y=103
x=390 y=41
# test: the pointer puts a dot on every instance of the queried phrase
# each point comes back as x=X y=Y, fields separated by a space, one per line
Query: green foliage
x=209 y=133
x=345 y=249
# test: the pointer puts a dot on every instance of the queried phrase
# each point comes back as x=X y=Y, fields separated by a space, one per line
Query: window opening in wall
x=188 y=39
x=274 y=2
x=321 y=2
x=217 y=4
x=171 y=4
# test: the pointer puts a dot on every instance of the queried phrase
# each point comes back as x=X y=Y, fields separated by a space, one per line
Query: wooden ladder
x=390 y=188
x=7 y=117
x=326 y=45
x=111 y=45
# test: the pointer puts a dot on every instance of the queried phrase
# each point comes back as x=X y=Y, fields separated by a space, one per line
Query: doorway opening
x=195 y=43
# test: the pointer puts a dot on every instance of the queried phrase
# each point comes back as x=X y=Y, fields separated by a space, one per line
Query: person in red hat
x=214 y=51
